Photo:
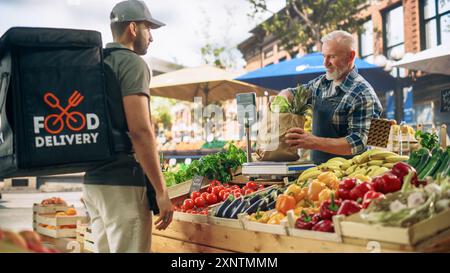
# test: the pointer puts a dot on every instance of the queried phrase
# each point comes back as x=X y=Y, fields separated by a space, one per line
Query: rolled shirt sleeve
x=364 y=108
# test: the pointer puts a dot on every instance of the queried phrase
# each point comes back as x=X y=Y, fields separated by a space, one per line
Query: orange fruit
x=71 y=211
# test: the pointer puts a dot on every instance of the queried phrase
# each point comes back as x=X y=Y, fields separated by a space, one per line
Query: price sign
x=197 y=183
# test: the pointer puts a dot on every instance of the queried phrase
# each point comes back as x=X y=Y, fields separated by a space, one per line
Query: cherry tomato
x=252 y=185
x=199 y=202
x=204 y=195
x=195 y=194
x=211 y=199
x=188 y=204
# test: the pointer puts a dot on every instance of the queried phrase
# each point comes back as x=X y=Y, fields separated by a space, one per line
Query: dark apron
x=323 y=126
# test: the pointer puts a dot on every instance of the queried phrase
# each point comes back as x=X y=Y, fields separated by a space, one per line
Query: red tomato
x=237 y=194
x=225 y=195
x=227 y=185
x=260 y=186
x=215 y=183
x=235 y=187
x=211 y=199
x=245 y=188
x=248 y=191
x=204 y=195
x=216 y=190
x=209 y=189
x=221 y=194
x=194 y=195
x=188 y=204
x=252 y=185
x=199 y=202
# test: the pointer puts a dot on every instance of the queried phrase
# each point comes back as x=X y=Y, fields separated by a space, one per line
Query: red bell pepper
x=401 y=169
x=329 y=208
x=305 y=221
x=345 y=186
x=349 y=207
x=324 y=226
x=386 y=183
x=359 y=191
x=370 y=196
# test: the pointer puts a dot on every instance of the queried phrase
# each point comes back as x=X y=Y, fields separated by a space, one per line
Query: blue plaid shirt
x=354 y=113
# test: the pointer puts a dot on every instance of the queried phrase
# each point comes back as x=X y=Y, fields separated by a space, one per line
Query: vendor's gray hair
x=340 y=36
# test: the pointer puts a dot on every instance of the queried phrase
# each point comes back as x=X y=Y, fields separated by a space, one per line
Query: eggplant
x=229 y=210
x=271 y=205
x=221 y=209
x=240 y=209
x=255 y=198
x=254 y=207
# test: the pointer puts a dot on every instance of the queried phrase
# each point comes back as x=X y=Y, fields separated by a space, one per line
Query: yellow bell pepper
x=276 y=218
x=295 y=191
x=260 y=217
x=315 y=187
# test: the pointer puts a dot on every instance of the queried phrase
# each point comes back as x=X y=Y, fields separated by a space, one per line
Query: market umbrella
x=303 y=69
x=208 y=82
x=433 y=60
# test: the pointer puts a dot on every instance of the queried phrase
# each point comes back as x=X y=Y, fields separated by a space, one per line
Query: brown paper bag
x=271 y=146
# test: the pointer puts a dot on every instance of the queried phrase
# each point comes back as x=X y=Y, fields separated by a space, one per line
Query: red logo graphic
x=54 y=123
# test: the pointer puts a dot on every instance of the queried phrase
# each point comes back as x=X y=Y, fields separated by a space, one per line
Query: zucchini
x=432 y=165
x=423 y=162
x=444 y=164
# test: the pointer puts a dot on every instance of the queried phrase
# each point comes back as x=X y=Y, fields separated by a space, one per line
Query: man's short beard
x=140 y=45
x=336 y=74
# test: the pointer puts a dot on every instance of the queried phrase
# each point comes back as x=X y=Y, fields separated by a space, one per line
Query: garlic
x=396 y=206
x=415 y=199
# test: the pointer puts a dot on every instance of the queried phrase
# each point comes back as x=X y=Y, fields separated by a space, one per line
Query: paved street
x=16 y=208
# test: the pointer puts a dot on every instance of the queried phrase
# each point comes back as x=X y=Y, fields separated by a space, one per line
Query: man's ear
x=352 y=55
x=132 y=27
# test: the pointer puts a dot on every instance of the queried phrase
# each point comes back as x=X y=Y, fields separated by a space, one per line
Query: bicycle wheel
x=53 y=124
x=77 y=125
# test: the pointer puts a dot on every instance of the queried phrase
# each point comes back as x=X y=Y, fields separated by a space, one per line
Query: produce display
x=54 y=201
x=199 y=202
x=250 y=203
x=26 y=240
x=369 y=164
x=216 y=166
x=432 y=163
x=410 y=205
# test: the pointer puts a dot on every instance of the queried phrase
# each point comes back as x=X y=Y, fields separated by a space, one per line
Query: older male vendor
x=343 y=104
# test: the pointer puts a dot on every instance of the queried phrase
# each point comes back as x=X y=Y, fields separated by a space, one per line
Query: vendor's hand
x=165 y=210
x=298 y=138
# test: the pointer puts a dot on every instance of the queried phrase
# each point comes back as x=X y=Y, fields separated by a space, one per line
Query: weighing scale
x=267 y=170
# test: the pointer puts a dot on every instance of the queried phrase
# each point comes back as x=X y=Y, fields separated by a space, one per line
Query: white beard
x=336 y=74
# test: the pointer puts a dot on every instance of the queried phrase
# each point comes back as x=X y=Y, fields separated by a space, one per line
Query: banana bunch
x=363 y=167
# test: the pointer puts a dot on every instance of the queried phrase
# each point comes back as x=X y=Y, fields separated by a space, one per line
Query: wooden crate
x=261 y=227
x=354 y=226
x=50 y=219
x=179 y=189
x=309 y=234
x=39 y=209
x=189 y=217
x=85 y=237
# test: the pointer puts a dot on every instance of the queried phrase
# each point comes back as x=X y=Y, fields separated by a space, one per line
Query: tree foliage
x=304 y=22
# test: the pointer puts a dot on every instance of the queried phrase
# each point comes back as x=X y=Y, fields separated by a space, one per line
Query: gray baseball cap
x=131 y=11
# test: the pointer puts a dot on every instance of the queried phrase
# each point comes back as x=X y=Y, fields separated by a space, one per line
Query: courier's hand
x=165 y=210
x=298 y=138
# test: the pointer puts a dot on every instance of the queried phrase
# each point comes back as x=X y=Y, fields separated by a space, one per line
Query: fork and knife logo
x=74 y=120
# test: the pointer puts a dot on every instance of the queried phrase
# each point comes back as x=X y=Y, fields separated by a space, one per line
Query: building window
x=393 y=31
x=366 y=42
x=268 y=53
x=436 y=22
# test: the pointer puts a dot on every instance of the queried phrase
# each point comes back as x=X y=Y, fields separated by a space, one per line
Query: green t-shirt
x=134 y=76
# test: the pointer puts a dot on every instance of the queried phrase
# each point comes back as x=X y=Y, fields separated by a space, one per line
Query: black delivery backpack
x=54 y=107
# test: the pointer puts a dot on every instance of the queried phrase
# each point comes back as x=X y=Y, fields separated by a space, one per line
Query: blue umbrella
x=303 y=69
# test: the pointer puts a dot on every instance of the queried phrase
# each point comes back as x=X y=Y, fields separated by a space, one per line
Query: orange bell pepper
x=314 y=189
x=296 y=191
x=285 y=203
